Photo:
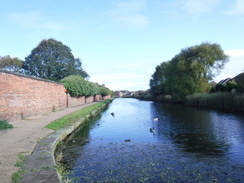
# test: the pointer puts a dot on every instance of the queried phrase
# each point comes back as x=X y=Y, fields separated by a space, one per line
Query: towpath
x=23 y=138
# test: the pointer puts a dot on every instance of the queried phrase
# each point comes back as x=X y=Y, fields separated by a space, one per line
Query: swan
x=155 y=119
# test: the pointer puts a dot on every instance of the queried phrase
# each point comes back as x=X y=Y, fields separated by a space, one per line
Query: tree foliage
x=77 y=86
x=188 y=72
x=104 y=91
x=11 y=64
x=158 y=83
x=52 y=60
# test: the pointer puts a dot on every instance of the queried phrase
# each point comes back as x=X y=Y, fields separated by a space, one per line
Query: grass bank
x=62 y=122
x=225 y=101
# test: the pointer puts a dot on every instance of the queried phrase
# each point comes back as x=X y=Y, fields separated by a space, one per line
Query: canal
x=153 y=142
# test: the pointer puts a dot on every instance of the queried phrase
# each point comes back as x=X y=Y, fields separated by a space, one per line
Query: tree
x=194 y=67
x=52 y=60
x=191 y=70
x=11 y=64
x=158 y=83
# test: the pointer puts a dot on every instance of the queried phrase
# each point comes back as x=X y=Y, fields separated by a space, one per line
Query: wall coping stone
x=26 y=76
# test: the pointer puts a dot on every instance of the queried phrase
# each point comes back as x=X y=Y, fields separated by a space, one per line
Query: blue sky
x=121 y=42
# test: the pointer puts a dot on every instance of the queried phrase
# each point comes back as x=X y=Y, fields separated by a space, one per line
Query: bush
x=93 y=89
x=104 y=91
x=5 y=125
x=75 y=84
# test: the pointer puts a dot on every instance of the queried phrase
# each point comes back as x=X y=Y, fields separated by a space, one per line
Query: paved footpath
x=23 y=138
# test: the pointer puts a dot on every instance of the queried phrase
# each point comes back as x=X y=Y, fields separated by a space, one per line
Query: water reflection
x=178 y=130
x=200 y=130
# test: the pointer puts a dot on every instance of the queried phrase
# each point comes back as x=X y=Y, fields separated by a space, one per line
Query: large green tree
x=11 y=64
x=191 y=70
x=53 y=60
x=158 y=83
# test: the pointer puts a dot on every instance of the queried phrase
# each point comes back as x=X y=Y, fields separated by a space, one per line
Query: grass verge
x=5 y=125
x=62 y=122
x=17 y=175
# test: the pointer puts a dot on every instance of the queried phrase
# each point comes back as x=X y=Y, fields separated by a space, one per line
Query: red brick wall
x=106 y=97
x=96 y=98
x=89 y=99
x=75 y=101
x=23 y=97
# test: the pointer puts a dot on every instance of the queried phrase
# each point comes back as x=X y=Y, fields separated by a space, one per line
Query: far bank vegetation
x=186 y=78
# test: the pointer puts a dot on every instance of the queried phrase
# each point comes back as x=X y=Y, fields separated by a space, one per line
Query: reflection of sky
x=190 y=129
x=132 y=121
x=180 y=130
x=228 y=128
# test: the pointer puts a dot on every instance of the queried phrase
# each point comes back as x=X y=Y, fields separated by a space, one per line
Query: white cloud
x=129 y=14
x=35 y=19
x=196 y=6
x=236 y=53
x=234 y=67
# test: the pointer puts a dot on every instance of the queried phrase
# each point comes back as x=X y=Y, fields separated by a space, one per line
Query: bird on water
x=152 y=129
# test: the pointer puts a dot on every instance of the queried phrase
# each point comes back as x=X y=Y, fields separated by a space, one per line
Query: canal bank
x=41 y=165
x=25 y=138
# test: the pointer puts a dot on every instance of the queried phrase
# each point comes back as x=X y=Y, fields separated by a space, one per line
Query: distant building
x=118 y=94
x=224 y=81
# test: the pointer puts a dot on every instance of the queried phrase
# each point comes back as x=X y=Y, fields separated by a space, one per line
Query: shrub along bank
x=5 y=125
x=78 y=86
x=221 y=100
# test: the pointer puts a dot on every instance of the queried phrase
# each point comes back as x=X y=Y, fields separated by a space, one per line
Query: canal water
x=153 y=142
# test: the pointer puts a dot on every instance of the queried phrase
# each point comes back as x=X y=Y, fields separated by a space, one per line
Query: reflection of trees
x=68 y=152
x=193 y=129
x=70 y=149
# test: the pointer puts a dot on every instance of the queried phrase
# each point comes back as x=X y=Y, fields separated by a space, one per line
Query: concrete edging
x=41 y=166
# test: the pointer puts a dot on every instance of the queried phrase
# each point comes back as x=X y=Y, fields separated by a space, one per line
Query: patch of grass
x=5 y=125
x=16 y=176
x=62 y=122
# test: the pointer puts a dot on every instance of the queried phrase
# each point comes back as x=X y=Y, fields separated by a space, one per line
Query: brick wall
x=22 y=96
x=106 y=97
x=75 y=101
x=90 y=99
x=96 y=98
